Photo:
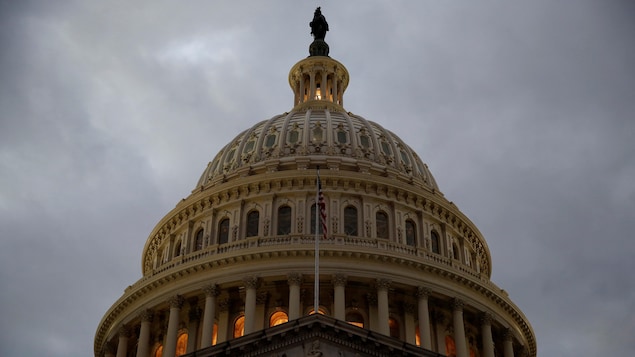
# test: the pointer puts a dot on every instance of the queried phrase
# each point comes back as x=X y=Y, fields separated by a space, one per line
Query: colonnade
x=379 y=316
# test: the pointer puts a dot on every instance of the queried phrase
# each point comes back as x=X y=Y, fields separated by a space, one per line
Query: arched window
x=355 y=318
x=253 y=220
x=320 y=228
x=450 y=347
x=455 y=251
x=239 y=326
x=159 y=351
x=198 y=242
x=284 y=220
x=350 y=221
x=277 y=318
x=177 y=249
x=411 y=235
x=321 y=311
x=181 y=345
x=214 y=333
x=223 y=231
x=381 y=224
x=394 y=328
x=435 y=242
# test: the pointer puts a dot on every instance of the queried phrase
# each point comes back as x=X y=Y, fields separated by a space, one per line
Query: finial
x=319 y=26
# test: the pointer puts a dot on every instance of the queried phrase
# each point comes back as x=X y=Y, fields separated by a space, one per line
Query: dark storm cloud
x=524 y=111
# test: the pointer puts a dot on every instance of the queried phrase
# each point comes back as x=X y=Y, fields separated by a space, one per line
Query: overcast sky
x=523 y=110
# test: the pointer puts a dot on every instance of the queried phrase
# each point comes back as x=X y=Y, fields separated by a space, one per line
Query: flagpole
x=316 y=289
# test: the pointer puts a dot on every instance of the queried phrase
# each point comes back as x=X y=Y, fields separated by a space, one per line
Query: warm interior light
x=318 y=93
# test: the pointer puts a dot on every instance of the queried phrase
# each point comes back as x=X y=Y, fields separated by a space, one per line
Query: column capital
x=372 y=299
x=251 y=282
x=195 y=313
x=146 y=315
x=295 y=279
x=176 y=301
x=211 y=290
x=486 y=318
x=457 y=304
x=261 y=298
x=124 y=331
x=339 y=279
x=383 y=284
x=223 y=305
x=423 y=292
x=508 y=335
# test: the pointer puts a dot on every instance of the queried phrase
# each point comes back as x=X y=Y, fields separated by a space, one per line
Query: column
x=223 y=320
x=301 y=94
x=424 y=317
x=334 y=87
x=261 y=303
x=176 y=302
x=339 y=286
x=508 y=343
x=383 y=313
x=409 y=322
x=192 y=326
x=295 y=281
x=312 y=84
x=211 y=292
x=323 y=85
x=459 y=328
x=251 y=284
x=486 y=332
x=440 y=323
x=122 y=346
x=143 y=347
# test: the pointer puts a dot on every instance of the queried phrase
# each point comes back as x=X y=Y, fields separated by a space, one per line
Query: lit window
x=181 y=345
x=381 y=223
x=253 y=220
x=417 y=336
x=321 y=311
x=277 y=318
x=159 y=351
x=223 y=231
x=284 y=220
x=355 y=318
x=450 y=347
x=214 y=333
x=239 y=326
x=394 y=328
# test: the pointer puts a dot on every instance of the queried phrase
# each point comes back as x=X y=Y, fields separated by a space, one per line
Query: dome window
x=318 y=134
x=386 y=148
x=350 y=221
x=355 y=318
x=411 y=235
x=249 y=146
x=223 y=231
x=278 y=318
x=342 y=138
x=177 y=249
x=404 y=158
x=271 y=140
x=284 y=220
x=435 y=242
x=239 y=326
x=198 y=242
x=253 y=221
x=381 y=224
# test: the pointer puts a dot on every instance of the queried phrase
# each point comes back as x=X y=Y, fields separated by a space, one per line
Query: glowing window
x=284 y=220
x=435 y=242
x=410 y=233
x=159 y=351
x=239 y=326
x=223 y=231
x=317 y=135
x=277 y=318
x=450 y=347
x=181 y=345
x=417 y=336
x=198 y=244
x=350 y=221
x=394 y=328
x=321 y=311
x=355 y=318
x=381 y=223
x=214 y=333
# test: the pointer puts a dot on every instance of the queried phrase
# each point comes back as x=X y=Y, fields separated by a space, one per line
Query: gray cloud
x=110 y=111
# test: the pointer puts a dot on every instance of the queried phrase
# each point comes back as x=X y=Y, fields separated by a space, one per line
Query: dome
x=332 y=139
x=315 y=204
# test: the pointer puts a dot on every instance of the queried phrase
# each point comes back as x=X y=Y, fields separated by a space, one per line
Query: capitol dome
x=234 y=268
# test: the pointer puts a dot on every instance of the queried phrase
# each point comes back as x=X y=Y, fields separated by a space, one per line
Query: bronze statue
x=319 y=26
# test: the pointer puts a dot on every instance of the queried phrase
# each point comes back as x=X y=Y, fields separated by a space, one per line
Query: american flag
x=322 y=207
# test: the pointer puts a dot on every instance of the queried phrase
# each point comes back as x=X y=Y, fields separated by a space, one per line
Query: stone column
x=295 y=281
x=459 y=328
x=323 y=86
x=383 y=313
x=211 y=292
x=339 y=284
x=192 y=326
x=223 y=320
x=424 y=317
x=409 y=322
x=122 y=346
x=251 y=284
x=261 y=302
x=176 y=302
x=508 y=343
x=334 y=87
x=143 y=347
x=486 y=332
x=312 y=84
